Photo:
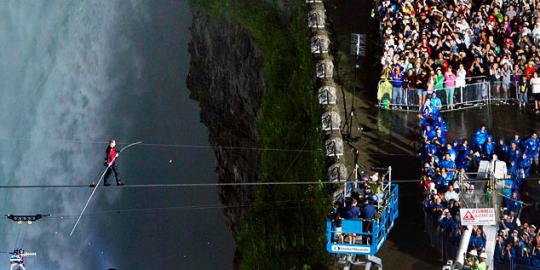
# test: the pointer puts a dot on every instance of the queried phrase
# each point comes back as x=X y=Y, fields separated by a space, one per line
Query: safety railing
x=482 y=92
x=504 y=91
x=446 y=241
x=517 y=264
x=385 y=175
x=361 y=236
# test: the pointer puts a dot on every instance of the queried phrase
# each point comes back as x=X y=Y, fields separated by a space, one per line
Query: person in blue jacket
x=507 y=187
x=501 y=150
x=431 y=150
x=463 y=158
x=464 y=146
x=488 y=148
x=397 y=88
x=478 y=239
x=512 y=168
x=430 y=133
x=430 y=167
x=442 y=180
x=440 y=134
x=427 y=120
x=425 y=111
x=369 y=211
x=531 y=148
x=525 y=163
x=441 y=124
x=513 y=204
x=455 y=144
x=480 y=138
x=513 y=153
x=516 y=140
x=498 y=254
x=449 y=166
x=438 y=147
x=447 y=221
x=535 y=257
x=509 y=253
x=452 y=152
x=436 y=104
x=518 y=177
x=439 y=140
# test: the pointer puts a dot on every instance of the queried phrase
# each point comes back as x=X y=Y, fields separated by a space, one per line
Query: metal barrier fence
x=447 y=241
x=454 y=98
x=503 y=91
x=516 y=264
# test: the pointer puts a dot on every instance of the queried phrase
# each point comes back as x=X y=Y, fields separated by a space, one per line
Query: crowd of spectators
x=444 y=179
x=440 y=45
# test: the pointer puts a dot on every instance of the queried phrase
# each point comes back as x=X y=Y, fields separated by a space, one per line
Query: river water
x=74 y=74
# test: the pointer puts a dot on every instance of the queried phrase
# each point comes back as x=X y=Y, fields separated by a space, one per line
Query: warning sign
x=468 y=216
x=477 y=216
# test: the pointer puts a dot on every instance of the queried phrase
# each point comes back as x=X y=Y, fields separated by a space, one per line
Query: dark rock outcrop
x=226 y=79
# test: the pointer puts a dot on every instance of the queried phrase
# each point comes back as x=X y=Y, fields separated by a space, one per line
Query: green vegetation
x=284 y=229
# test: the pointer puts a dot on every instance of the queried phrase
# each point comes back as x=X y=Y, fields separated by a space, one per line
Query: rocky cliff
x=226 y=79
x=242 y=105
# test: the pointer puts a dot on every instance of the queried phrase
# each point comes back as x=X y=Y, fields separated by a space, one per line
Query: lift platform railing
x=385 y=178
x=369 y=235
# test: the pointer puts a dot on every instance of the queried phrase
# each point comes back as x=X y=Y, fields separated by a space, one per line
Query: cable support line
x=186 y=207
x=193 y=207
x=233 y=147
x=41 y=186
x=180 y=185
x=192 y=146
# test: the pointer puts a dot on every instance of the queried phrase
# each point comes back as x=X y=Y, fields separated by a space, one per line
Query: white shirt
x=536 y=32
x=535 y=83
x=462 y=25
x=451 y=196
x=460 y=78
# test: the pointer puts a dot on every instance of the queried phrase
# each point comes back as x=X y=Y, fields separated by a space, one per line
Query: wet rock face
x=226 y=79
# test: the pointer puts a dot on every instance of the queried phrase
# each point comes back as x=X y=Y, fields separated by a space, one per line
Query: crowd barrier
x=512 y=265
x=470 y=95
x=447 y=242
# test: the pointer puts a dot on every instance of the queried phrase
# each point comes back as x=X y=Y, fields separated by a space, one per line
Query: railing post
x=389 y=175
x=355 y=176
x=374 y=233
x=404 y=96
x=516 y=87
x=378 y=90
x=489 y=93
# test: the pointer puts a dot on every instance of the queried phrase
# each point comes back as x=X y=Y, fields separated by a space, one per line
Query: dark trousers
x=111 y=169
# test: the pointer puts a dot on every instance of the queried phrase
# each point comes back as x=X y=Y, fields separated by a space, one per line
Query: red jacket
x=110 y=154
x=529 y=71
